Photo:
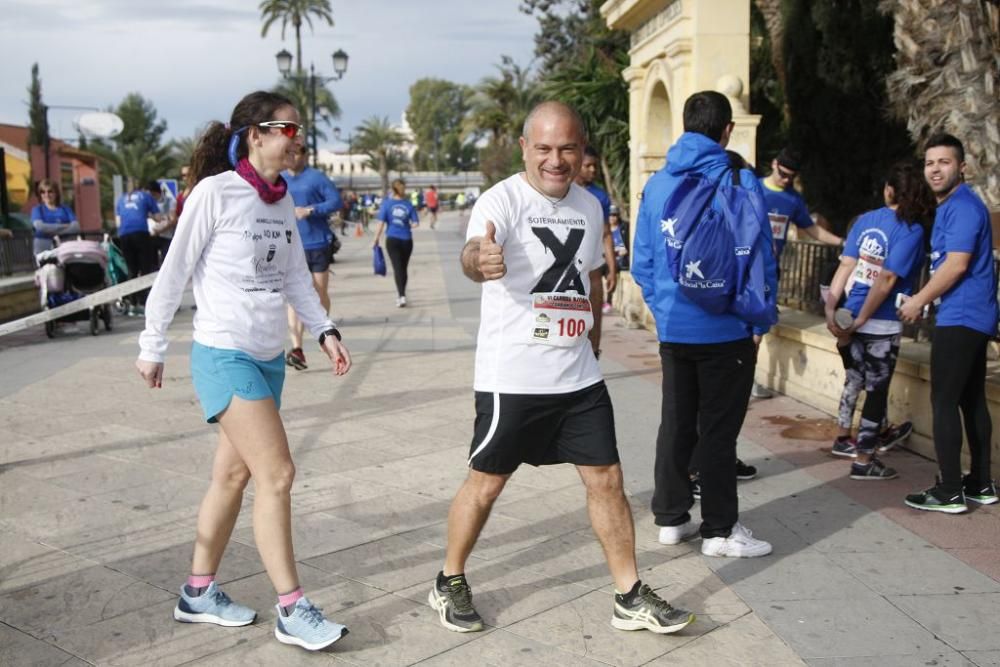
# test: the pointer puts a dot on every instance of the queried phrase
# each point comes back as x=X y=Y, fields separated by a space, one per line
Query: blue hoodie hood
x=679 y=320
x=696 y=153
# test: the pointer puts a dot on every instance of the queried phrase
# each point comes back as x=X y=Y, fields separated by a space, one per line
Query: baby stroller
x=70 y=271
x=117 y=271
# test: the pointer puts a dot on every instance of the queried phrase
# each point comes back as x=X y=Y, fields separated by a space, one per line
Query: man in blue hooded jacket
x=708 y=359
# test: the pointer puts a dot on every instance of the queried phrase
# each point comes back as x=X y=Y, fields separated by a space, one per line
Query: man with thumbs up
x=534 y=241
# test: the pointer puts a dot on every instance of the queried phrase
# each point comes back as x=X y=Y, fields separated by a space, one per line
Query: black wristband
x=329 y=332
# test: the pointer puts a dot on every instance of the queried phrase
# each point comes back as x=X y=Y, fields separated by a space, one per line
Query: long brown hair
x=914 y=200
x=211 y=157
x=47 y=182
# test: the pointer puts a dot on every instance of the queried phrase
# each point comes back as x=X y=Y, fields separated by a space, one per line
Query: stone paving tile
x=940 y=658
x=957 y=620
x=394 y=512
x=583 y=627
x=502 y=649
x=578 y=558
x=805 y=575
x=167 y=568
x=862 y=626
x=503 y=594
x=843 y=531
x=24 y=562
x=501 y=536
x=21 y=495
x=50 y=609
x=18 y=649
x=318 y=533
x=984 y=658
x=150 y=636
x=390 y=564
x=263 y=650
x=321 y=457
x=743 y=642
x=922 y=572
x=392 y=631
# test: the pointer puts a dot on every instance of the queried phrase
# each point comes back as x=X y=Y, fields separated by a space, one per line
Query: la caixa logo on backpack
x=711 y=231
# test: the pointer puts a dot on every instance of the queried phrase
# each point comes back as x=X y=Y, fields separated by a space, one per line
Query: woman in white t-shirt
x=238 y=240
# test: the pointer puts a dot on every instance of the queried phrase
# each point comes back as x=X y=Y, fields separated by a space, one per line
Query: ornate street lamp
x=284 y=59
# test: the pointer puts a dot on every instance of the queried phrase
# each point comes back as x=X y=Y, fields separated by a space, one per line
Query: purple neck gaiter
x=270 y=193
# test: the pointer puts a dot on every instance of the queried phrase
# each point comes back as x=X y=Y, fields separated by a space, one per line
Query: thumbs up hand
x=491 y=264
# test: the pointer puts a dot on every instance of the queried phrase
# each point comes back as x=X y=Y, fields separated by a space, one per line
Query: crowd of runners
x=546 y=244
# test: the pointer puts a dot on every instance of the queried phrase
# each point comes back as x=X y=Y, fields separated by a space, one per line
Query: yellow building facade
x=678 y=47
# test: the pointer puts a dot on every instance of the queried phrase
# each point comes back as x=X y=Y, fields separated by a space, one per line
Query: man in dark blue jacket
x=708 y=359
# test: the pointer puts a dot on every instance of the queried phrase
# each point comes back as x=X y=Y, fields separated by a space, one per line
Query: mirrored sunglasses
x=289 y=128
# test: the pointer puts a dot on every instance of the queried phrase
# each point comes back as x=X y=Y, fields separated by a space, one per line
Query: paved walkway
x=100 y=481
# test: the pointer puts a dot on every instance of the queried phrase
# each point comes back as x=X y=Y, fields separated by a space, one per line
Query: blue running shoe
x=212 y=606
x=307 y=627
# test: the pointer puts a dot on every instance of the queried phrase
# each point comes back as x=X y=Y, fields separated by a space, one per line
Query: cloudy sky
x=195 y=58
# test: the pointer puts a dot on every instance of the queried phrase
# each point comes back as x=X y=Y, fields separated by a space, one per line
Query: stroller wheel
x=121 y=306
x=94 y=328
x=106 y=316
x=50 y=329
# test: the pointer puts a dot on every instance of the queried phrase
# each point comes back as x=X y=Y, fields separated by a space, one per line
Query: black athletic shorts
x=318 y=259
x=543 y=429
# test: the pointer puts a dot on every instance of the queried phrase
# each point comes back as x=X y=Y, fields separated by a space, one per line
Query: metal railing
x=805 y=266
x=16 y=253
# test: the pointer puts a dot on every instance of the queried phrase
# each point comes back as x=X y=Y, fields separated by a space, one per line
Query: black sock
x=629 y=597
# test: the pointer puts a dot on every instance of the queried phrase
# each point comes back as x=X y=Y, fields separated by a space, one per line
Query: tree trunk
x=775 y=21
x=298 y=44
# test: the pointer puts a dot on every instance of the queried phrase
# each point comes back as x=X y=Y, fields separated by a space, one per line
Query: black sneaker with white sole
x=451 y=597
x=894 y=435
x=936 y=499
x=983 y=494
x=745 y=471
x=642 y=609
x=874 y=469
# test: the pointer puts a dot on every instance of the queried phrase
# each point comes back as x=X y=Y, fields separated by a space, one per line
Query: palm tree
x=297 y=90
x=946 y=79
x=294 y=12
x=500 y=104
x=381 y=142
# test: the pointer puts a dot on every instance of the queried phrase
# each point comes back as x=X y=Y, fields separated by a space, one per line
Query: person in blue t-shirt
x=316 y=198
x=964 y=284
x=586 y=179
x=882 y=258
x=50 y=217
x=396 y=217
x=785 y=205
x=132 y=214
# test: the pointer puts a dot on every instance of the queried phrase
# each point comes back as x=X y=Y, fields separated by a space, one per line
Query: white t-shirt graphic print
x=548 y=249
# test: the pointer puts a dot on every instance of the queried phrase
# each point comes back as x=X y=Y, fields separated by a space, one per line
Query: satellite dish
x=99 y=125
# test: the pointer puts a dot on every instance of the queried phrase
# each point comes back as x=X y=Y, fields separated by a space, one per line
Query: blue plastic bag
x=378 y=261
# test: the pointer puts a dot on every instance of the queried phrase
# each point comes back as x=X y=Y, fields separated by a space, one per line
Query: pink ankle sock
x=200 y=580
x=288 y=599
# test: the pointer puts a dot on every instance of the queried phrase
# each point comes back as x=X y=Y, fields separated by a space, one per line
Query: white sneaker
x=402 y=300
x=740 y=544
x=677 y=534
x=760 y=391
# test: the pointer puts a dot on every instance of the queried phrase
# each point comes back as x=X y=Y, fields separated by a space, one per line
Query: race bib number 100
x=560 y=319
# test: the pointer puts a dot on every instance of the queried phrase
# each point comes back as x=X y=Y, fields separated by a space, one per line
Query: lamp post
x=284 y=59
x=350 y=155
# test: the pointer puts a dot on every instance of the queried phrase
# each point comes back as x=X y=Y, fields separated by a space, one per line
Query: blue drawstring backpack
x=378 y=261
x=713 y=240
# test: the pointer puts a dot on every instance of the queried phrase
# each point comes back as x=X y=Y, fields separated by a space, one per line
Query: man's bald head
x=554 y=111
